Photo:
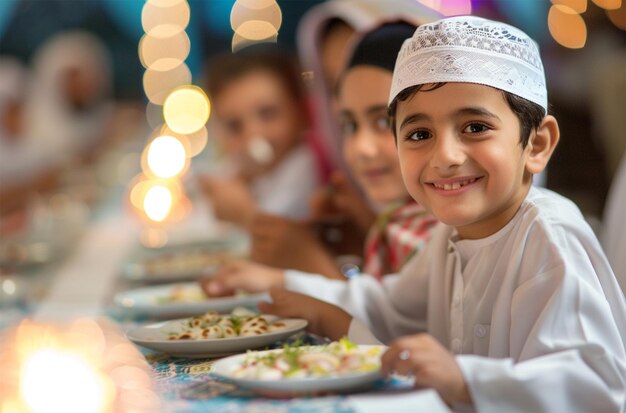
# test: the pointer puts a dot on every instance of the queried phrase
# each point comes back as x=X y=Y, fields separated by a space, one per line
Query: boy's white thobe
x=533 y=312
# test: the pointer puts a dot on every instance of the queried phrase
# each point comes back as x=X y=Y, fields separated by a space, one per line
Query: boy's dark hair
x=528 y=113
x=229 y=67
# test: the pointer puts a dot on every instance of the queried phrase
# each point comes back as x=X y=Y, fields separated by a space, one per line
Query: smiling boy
x=516 y=305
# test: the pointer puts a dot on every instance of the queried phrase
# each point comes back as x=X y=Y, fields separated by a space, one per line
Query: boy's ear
x=541 y=144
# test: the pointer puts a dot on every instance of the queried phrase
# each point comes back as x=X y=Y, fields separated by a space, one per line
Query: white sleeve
x=390 y=309
x=569 y=351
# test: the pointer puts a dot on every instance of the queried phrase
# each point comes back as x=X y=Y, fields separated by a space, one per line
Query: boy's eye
x=418 y=135
x=475 y=128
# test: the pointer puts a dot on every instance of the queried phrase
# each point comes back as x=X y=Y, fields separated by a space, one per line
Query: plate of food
x=178 y=262
x=214 y=335
x=338 y=367
x=180 y=300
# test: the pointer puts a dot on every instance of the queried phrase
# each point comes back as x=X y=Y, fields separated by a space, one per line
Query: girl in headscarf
x=69 y=107
x=324 y=35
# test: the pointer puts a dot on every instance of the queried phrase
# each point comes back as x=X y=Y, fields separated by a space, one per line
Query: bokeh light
x=618 y=17
x=166 y=157
x=242 y=12
x=609 y=4
x=158 y=85
x=72 y=369
x=186 y=109
x=158 y=203
x=194 y=142
x=163 y=53
x=567 y=27
x=154 y=15
x=256 y=30
x=49 y=373
x=579 y=6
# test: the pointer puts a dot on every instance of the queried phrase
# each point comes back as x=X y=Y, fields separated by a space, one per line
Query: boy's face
x=368 y=145
x=257 y=105
x=461 y=158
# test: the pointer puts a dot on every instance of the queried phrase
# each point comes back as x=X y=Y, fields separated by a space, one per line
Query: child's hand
x=431 y=364
x=231 y=199
x=285 y=243
x=243 y=275
x=324 y=319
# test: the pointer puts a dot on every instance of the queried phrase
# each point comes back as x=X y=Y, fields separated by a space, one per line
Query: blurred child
x=403 y=226
x=520 y=308
x=260 y=112
x=341 y=216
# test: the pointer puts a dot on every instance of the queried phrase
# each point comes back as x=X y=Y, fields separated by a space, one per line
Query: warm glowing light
x=256 y=30
x=198 y=141
x=567 y=27
x=55 y=381
x=163 y=54
x=72 y=368
x=138 y=193
x=579 y=6
x=158 y=84
x=240 y=42
x=154 y=15
x=241 y=13
x=449 y=7
x=609 y=4
x=618 y=17
x=166 y=157
x=194 y=143
x=186 y=109
x=158 y=203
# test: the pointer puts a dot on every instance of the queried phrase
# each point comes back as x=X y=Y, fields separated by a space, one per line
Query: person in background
x=324 y=36
x=341 y=214
x=69 y=108
x=403 y=227
x=512 y=306
x=261 y=121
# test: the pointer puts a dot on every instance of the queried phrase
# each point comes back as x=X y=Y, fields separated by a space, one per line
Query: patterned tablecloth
x=186 y=385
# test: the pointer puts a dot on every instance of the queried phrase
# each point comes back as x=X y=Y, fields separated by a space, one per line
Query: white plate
x=150 y=301
x=155 y=337
x=180 y=262
x=290 y=387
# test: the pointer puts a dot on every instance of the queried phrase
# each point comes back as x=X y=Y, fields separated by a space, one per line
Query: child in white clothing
x=516 y=305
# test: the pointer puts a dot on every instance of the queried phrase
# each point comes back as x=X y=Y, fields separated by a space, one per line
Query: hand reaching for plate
x=244 y=275
x=324 y=319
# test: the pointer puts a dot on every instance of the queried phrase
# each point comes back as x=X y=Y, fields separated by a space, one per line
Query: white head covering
x=471 y=49
x=52 y=124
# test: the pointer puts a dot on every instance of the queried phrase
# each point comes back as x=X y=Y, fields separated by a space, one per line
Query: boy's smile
x=461 y=157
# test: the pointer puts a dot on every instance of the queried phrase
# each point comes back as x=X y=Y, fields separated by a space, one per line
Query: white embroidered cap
x=471 y=49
